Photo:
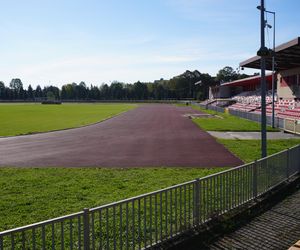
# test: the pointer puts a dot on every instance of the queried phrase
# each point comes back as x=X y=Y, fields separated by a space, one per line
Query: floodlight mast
x=263 y=52
x=273 y=63
x=273 y=70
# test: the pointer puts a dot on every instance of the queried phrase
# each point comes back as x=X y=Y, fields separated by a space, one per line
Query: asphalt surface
x=149 y=136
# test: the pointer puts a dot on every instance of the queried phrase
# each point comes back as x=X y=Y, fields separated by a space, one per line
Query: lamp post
x=198 y=83
x=273 y=65
x=273 y=70
x=263 y=52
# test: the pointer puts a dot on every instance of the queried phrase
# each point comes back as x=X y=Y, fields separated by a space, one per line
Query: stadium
x=173 y=163
x=244 y=94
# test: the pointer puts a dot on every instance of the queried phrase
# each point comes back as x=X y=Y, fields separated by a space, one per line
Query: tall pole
x=263 y=53
x=273 y=74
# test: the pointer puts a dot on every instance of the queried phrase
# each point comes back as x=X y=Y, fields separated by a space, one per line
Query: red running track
x=149 y=136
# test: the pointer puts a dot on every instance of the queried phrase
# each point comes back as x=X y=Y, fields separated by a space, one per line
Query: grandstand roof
x=287 y=56
x=247 y=81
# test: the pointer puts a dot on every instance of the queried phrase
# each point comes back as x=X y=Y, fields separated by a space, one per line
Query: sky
x=63 y=41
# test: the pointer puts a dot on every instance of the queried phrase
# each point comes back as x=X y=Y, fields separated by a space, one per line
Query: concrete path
x=277 y=229
x=149 y=136
x=252 y=135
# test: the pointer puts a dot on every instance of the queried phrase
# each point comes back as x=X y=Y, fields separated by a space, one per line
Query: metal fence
x=144 y=221
x=279 y=122
x=211 y=107
x=292 y=125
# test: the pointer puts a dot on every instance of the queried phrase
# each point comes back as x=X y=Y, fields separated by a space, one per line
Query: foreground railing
x=149 y=219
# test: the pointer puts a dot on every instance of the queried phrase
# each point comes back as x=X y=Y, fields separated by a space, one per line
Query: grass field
x=250 y=150
x=226 y=122
x=32 y=195
x=18 y=119
x=41 y=193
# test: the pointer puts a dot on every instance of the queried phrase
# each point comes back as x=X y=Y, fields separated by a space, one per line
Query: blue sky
x=63 y=41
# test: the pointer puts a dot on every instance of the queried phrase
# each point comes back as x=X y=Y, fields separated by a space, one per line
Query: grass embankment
x=246 y=150
x=32 y=195
x=226 y=122
x=18 y=119
x=250 y=150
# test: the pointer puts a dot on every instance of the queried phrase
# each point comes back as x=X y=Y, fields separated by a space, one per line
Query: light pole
x=273 y=70
x=263 y=52
x=198 y=83
x=273 y=65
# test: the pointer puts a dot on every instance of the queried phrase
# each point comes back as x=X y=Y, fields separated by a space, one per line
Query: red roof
x=253 y=80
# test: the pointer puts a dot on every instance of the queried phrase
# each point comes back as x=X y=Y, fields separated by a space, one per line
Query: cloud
x=147 y=60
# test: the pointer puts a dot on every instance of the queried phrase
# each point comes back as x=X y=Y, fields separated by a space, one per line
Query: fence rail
x=213 y=107
x=149 y=219
x=279 y=122
x=292 y=125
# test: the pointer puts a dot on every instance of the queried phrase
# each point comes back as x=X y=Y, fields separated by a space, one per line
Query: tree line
x=190 y=84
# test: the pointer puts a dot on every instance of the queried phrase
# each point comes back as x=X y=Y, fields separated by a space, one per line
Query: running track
x=149 y=136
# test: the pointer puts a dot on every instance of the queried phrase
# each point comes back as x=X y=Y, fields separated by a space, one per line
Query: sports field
x=151 y=135
x=32 y=194
x=20 y=119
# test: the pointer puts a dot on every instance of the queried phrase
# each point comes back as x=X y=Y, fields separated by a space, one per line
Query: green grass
x=226 y=122
x=35 y=194
x=32 y=195
x=249 y=150
x=18 y=119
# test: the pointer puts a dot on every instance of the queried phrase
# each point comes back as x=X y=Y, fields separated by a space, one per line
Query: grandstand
x=244 y=94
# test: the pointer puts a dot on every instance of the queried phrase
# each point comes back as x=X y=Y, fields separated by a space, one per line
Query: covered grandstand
x=244 y=94
x=230 y=89
x=287 y=67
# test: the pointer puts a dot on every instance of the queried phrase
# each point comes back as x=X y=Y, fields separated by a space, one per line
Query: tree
x=104 y=91
x=16 y=84
x=227 y=74
x=68 y=91
x=82 y=91
x=53 y=90
x=116 y=90
x=21 y=94
x=30 y=93
x=2 y=90
x=38 y=92
x=94 y=93
x=50 y=96
x=178 y=87
x=140 y=91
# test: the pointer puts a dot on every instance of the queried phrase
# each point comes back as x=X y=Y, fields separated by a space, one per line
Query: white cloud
x=145 y=63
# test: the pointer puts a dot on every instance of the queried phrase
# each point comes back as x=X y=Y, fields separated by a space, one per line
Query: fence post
x=254 y=181
x=86 y=229
x=287 y=163
x=298 y=162
x=197 y=202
